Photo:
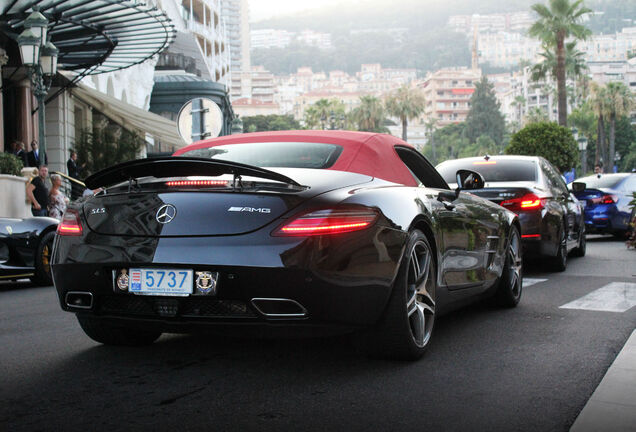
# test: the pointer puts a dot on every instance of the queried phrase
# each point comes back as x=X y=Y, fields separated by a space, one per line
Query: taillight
x=329 y=221
x=608 y=199
x=70 y=224
x=525 y=203
x=202 y=183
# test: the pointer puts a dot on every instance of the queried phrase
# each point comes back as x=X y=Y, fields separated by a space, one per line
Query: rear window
x=604 y=181
x=273 y=154
x=492 y=170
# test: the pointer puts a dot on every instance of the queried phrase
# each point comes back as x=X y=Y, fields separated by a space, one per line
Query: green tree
x=556 y=23
x=584 y=120
x=599 y=101
x=620 y=101
x=450 y=142
x=318 y=114
x=10 y=164
x=106 y=146
x=553 y=142
x=272 y=122
x=484 y=116
x=369 y=115
x=535 y=115
x=405 y=103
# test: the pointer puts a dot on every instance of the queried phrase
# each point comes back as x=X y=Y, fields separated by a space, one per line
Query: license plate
x=161 y=282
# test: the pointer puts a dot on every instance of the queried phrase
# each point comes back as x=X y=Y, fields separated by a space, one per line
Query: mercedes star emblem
x=166 y=213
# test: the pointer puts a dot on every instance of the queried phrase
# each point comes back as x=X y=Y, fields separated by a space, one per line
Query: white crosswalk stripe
x=531 y=281
x=613 y=297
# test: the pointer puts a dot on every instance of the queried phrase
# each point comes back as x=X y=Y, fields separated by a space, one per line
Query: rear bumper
x=337 y=281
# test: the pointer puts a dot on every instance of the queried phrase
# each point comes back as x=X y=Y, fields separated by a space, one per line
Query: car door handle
x=449 y=206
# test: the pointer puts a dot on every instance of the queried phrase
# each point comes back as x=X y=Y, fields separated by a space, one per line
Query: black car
x=551 y=217
x=25 y=248
x=333 y=231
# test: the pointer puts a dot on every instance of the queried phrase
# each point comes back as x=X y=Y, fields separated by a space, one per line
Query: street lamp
x=40 y=57
x=582 y=148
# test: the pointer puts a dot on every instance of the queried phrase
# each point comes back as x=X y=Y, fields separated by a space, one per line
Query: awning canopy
x=95 y=36
x=130 y=117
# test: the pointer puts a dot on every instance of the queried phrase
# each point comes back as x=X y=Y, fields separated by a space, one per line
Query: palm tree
x=599 y=103
x=519 y=103
x=369 y=115
x=319 y=113
x=575 y=64
x=557 y=23
x=405 y=103
x=620 y=101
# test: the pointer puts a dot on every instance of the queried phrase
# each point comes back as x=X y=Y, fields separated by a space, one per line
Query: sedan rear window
x=273 y=154
x=492 y=170
x=602 y=181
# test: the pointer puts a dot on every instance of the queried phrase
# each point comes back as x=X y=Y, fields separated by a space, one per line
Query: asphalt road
x=527 y=369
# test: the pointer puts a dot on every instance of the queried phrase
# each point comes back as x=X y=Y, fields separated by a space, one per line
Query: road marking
x=613 y=297
x=531 y=281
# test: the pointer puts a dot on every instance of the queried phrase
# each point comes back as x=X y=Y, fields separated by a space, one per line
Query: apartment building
x=447 y=93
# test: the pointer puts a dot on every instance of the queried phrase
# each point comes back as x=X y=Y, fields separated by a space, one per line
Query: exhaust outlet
x=279 y=308
x=79 y=300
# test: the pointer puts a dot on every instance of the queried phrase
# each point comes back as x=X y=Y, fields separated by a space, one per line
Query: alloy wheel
x=420 y=293
x=515 y=264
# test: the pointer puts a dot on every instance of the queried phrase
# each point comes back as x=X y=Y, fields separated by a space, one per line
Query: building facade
x=447 y=93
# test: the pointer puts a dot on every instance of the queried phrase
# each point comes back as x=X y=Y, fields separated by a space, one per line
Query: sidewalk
x=612 y=406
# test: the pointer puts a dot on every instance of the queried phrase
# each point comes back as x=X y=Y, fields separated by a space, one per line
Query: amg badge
x=249 y=209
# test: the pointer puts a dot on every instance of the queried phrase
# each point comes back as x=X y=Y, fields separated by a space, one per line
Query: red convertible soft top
x=367 y=153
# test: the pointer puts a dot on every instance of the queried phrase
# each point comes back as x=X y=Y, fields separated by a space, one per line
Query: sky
x=264 y=9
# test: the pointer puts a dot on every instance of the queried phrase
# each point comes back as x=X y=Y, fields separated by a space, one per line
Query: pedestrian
x=18 y=150
x=38 y=193
x=74 y=171
x=34 y=158
x=57 y=200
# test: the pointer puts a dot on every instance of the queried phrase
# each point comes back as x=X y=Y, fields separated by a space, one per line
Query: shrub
x=553 y=142
x=10 y=164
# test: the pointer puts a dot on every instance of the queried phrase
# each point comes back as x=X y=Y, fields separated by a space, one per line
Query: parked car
x=317 y=231
x=606 y=198
x=25 y=248
x=551 y=217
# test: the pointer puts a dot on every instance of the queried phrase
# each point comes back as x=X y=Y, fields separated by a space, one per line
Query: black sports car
x=552 y=223
x=298 y=230
x=25 y=248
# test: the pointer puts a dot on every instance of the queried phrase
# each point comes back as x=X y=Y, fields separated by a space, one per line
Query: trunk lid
x=208 y=211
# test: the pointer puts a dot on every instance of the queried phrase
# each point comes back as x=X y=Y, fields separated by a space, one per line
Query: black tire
x=43 y=260
x=580 y=249
x=560 y=261
x=111 y=334
x=405 y=330
x=510 y=284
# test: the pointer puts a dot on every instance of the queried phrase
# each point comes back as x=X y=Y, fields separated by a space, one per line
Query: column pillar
x=23 y=111
x=3 y=61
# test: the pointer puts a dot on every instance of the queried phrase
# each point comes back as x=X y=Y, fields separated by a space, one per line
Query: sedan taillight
x=329 y=221
x=525 y=203
x=70 y=224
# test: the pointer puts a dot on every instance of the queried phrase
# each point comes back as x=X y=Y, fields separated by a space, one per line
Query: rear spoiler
x=177 y=166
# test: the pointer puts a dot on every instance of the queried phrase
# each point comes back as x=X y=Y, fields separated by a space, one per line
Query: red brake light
x=70 y=224
x=331 y=221
x=177 y=183
x=527 y=202
x=608 y=199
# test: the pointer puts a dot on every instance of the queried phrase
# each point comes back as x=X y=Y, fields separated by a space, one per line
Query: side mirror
x=468 y=180
x=578 y=186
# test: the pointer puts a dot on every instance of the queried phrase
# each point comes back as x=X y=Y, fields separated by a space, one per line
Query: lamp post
x=582 y=148
x=40 y=57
